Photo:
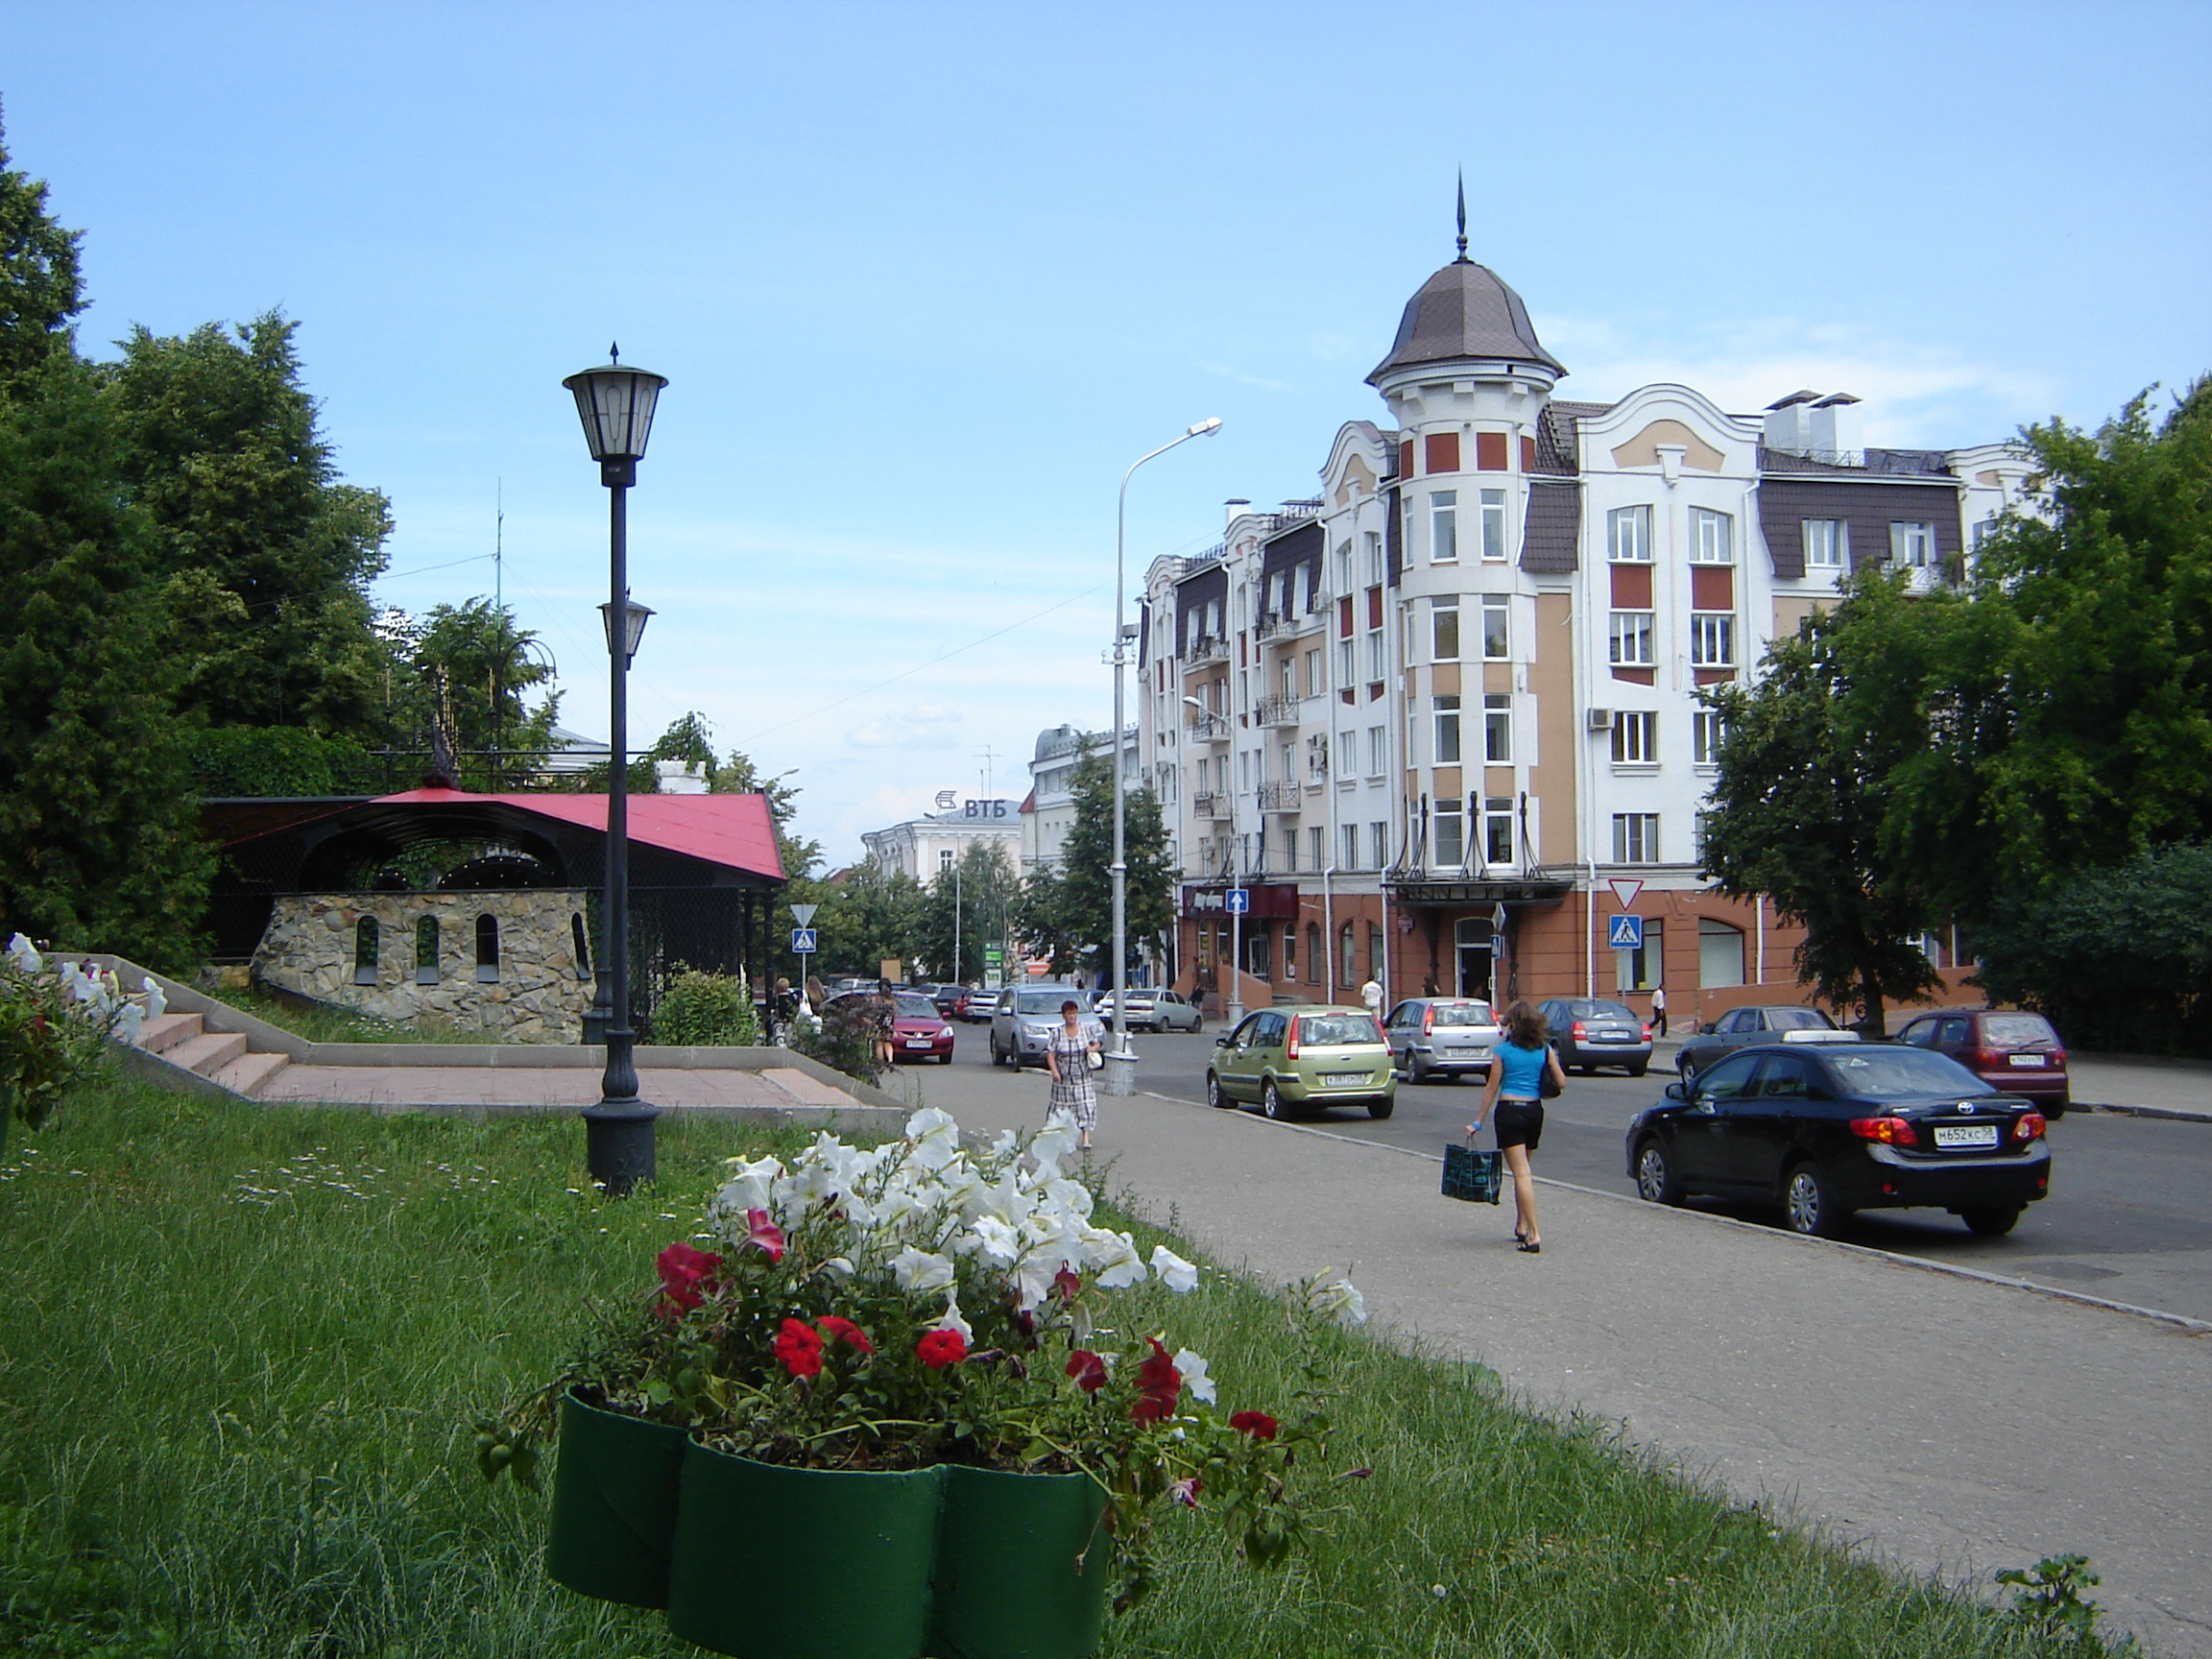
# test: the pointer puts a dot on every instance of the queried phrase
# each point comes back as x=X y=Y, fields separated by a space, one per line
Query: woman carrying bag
x=1070 y=1057
x=1522 y=1064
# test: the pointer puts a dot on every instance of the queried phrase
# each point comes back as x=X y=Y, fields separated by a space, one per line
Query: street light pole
x=617 y=406
x=1119 y=867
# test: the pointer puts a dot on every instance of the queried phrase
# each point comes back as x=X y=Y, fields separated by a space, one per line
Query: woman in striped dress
x=1067 y=1056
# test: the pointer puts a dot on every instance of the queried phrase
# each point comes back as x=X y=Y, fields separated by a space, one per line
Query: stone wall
x=537 y=997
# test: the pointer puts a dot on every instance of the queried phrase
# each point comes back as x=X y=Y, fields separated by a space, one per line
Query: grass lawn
x=242 y=1349
x=328 y=1023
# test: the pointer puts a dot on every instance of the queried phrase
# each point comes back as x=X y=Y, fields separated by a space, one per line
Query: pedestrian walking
x=1515 y=1089
x=1067 y=1056
x=1659 y=1008
x=882 y=1015
x=1371 y=993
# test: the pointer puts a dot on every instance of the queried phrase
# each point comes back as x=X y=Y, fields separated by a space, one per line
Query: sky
x=926 y=279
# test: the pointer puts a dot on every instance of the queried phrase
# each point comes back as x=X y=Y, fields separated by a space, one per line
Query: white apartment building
x=1048 y=812
x=923 y=847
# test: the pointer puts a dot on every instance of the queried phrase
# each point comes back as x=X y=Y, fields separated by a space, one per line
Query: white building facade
x=1048 y=812
x=925 y=847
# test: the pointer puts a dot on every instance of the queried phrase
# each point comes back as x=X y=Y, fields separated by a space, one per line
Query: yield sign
x=1624 y=890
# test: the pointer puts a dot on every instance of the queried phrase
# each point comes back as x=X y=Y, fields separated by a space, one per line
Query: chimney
x=1788 y=423
x=1835 y=424
x=1232 y=508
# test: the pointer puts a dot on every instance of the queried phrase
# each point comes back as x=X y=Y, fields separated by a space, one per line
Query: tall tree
x=965 y=909
x=99 y=816
x=1798 y=804
x=1041 y=920
x=271 y=554
x=464 y=669
x=1086 y=861
x=41 y=289
x=867 y=916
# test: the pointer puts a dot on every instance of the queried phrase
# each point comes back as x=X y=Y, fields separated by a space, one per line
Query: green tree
x=1798 y=804
x=972 y=906
x=41 y=289
x=98 y=818
x=1086 y=861
x=1040 y=920
x=868 y=914
x=464 y=668
x=270 y=553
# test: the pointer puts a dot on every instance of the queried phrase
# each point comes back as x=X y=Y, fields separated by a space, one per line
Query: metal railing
x=1207 y=729
x=1281 y=798
x=1206 y=651
x=1276 y=711
x=1210 y=803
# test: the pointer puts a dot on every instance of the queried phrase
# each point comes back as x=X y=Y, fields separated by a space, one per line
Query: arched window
x=583 y=947
x=365 y=950
x=1316 y=965
x=487 y=949
x=427 y=950
x=1347 y=968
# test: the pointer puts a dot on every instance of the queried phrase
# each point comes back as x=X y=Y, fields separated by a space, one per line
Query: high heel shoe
x=1530 y=1246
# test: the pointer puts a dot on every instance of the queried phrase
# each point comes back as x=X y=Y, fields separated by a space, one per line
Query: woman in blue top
x=1516 y=1089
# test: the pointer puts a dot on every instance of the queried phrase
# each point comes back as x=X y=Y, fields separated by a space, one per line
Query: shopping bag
x=1472 y=1176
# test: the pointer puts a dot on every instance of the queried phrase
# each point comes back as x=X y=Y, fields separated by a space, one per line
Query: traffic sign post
x=1626 y=888
x=803 y=941
x=1625 y=933
x=994 y=967
x=1237 y=902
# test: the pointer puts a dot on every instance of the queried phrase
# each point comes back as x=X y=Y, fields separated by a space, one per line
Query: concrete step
x=159 y=1035
x=207 y=1052
x=250 y=1074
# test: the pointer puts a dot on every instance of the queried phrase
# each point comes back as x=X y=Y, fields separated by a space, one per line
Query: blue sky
x=925 y=278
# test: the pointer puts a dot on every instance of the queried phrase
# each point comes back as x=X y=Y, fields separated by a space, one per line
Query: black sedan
x=1826 y=1130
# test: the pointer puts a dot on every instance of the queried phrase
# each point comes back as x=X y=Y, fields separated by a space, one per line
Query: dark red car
x=2019 y=1054
x=919 y=1032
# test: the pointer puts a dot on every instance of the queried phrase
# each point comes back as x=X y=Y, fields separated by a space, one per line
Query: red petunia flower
x=800 y=1348
x=1257 y=1424
x=685 y=1275
x=1068 y=1282
x=766 y=1235
x=839 y=1330
x=1186 y=1491
x=1157 y=1383
x=939 y=1349
x=1088 y=1370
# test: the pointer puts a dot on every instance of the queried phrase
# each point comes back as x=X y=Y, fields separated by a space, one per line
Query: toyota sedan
x=1825 y=1130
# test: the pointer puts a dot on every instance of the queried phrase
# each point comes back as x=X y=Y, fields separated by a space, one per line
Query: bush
x=49 y=1043
x=2120 y=959
x=259 y=761
x=843 y=1039
x=700 y=1010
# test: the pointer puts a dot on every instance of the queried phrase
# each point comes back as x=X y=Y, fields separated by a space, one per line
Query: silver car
x=1441 y=1037
x=1022 y=1020
x=1150 y=1010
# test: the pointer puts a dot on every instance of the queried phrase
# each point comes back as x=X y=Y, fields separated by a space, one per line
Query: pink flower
x=1067 y=1283
x=939 y=1349
x=800 y=1348
x=1257 y=1424
x=766 y=1235
x=685 y=1275
x=1186 y=1491
x=839 y=1330
x=1088 y=1370
x=1157 y=1383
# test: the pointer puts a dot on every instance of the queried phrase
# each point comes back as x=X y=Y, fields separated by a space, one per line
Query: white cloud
x=925 y=725
x=1243 y=379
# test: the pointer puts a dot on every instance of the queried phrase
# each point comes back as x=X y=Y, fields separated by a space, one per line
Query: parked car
x=1022 y=1023
x=1303 y=1061
x=1441 y=1037
x=1588 y=1032
x=1826 y=1129
x=1171 y=1013
x=2019 y=1054
x=918 y=1031
x=981 y=1005
x=1741 y=1028
x=951 y=999
x=1150 y=1010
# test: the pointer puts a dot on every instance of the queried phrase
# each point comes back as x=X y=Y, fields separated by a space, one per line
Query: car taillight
x=1646 y=1030
x=2030 y=1127
x=2058 y=1057
x=1294 y=1036
x=1428 y=1020
x=1889 y=1131
x=1988 y=1058
x=1576 y=1031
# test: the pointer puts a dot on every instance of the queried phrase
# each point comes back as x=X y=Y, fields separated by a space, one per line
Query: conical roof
x=1464 y=311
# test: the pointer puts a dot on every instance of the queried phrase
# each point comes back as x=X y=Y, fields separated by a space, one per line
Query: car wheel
x=1213 y=1096
x=1196 y=1027
x=1810 y=1203
x=2056 y=1110
x=1657 y=1181
x=944 y=1059
x=1415 y=1072
x=1686 y=1069
x=997 y=1058
x=1639 y=1071
x=1382 y=1109
x=1989 y=1223
x=1271 y=1102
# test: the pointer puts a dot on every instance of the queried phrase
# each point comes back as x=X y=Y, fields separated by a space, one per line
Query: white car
x=1151 y=1010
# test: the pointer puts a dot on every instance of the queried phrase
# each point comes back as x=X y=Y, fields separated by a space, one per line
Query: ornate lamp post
x=617 y=406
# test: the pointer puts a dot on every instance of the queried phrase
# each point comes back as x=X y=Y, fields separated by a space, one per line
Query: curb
x=2173 y=1114
x=2194 y=1327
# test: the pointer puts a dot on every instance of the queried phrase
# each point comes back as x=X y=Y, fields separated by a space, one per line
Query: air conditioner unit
x=1600 y=719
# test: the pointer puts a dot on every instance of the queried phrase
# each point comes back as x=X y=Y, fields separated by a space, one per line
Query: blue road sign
x=1239 y=902
x=803 y=941
x=1626 y=934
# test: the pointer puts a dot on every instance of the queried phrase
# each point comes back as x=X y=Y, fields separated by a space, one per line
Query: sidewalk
x=1954 y=1425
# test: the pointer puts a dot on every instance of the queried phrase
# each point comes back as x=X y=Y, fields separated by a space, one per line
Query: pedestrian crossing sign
x=1625 y=933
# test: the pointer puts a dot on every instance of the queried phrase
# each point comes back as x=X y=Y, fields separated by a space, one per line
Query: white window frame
x=1635 y=837
x=1497 y=728
x=1438 y=611
x=1712 y=639
x=1912 y=544
x=1635 y=738
x=1378 y=751
x=1374 y=560
x=1827 y=542
x=1711 y=536
x=1629 y=535
x=1497 y=628
x=1350 y=853
x=1448 y=839
x=1443 y=526
x=1629 y=642
x=1494 y=526
x=1447 y=719
x=1707 y=730
x=1497 y=829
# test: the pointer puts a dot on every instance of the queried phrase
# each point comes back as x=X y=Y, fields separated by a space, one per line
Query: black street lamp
x=617 y=406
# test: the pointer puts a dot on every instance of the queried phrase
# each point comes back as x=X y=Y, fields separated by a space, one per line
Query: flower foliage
x=920 y=1303
x=54 y=1032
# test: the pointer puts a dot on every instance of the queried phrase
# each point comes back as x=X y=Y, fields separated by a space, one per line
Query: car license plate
x=2027 y=1060
x=1343 y=1079
x=1965 y=1134
x=920 y=1043
x=1613 y=1036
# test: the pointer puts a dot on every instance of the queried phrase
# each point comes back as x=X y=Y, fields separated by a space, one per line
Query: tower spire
x=1462 y=216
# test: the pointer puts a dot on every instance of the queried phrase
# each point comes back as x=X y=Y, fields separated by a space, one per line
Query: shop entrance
x=1471 y=937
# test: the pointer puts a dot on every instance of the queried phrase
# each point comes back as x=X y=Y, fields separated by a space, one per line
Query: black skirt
x=1519 y=1124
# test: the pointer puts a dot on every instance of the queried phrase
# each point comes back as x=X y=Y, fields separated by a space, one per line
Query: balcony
x=1281 y=798
x=1206 y=652
x=1269 y=624
x=1207 y=729
x=1211 y=804
x=1276 y=711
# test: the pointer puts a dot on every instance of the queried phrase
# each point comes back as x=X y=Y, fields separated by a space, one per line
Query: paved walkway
x=545 y=1087
x=1954 y=1425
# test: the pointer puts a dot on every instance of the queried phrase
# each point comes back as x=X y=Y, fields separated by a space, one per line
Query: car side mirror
x=1707 y=1029
x=1677 y=1092
x=1220 y=1042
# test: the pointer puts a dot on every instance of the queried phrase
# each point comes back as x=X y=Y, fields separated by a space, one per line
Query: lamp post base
x=619 y=1144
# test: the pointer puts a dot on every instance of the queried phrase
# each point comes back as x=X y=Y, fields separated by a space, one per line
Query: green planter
x=1023 y=1564
x=614 y=1492
x=775 y=1563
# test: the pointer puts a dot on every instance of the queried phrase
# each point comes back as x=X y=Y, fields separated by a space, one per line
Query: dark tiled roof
x=1557 y=449
x=1549 y=534
x=1464 y=311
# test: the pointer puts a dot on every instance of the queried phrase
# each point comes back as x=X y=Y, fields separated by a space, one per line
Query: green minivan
x=1297 y=1061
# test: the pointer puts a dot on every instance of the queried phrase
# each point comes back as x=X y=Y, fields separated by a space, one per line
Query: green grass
x=327 y=1023
x=242 y=1350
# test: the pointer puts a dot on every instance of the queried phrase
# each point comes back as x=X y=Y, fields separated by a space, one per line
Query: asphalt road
x=2128 y=1217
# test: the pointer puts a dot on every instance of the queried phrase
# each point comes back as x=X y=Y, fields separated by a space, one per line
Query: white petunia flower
x=1057 y=1140
x=920 y=1270
x=1338 y=1297
x=1178 y=1275
x=1001 y=1244
x=952 y=1321
x=1005 y=1146
x=839 y=1269
x=1193 y=1373
x=1115 y=1257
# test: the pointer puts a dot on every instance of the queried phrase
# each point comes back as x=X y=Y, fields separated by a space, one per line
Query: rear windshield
x=1043 y=1001
x=1874 y=1073
x=1463 y=1014
x=1325 y=1030
x=913 y=1007
x=1600 y=1011
x=2015 y=1030
x=1798 y=1019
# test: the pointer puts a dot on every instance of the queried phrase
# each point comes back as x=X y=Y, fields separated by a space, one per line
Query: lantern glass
x=633 y=625
x=616 y=404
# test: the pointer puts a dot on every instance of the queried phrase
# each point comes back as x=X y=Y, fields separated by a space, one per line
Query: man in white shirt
x=1371 y=993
